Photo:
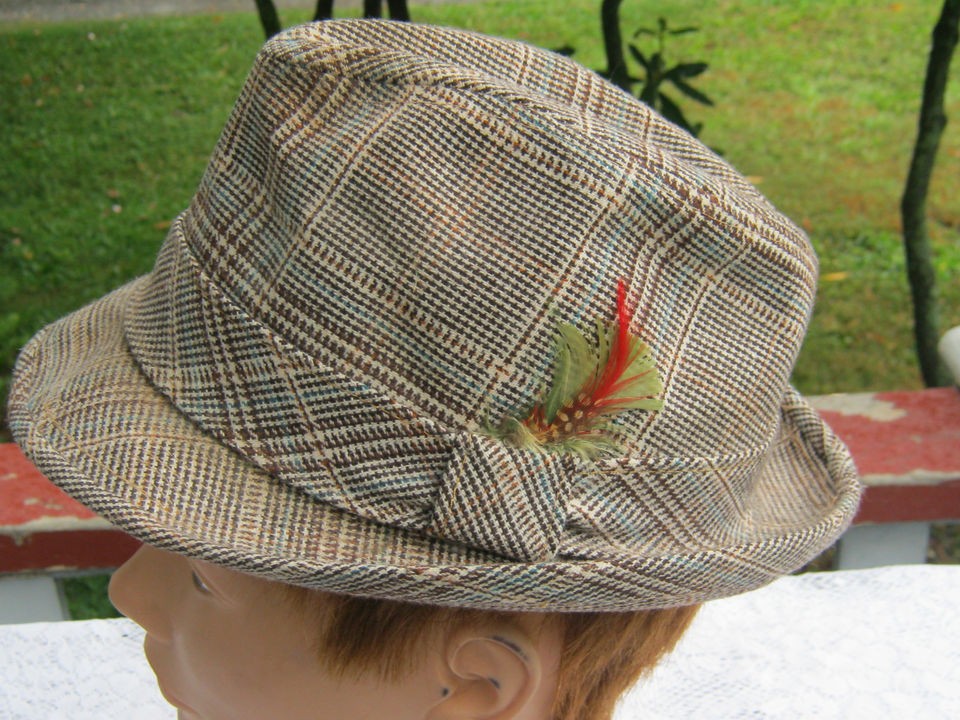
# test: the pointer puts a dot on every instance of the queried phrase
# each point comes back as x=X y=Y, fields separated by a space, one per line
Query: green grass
x=107 y=127
x=87 y=597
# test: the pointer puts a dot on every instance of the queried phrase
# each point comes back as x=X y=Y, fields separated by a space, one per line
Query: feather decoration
x=590 y=385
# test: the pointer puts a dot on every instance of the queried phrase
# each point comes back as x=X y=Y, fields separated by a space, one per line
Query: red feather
x=619 y=359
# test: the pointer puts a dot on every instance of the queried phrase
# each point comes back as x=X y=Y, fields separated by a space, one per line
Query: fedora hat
x=327 y=376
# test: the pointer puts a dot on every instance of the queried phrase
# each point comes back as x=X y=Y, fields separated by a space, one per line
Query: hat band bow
x=507 y=500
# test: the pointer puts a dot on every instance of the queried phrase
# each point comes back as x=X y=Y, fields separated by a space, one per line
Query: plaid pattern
x=374 y=265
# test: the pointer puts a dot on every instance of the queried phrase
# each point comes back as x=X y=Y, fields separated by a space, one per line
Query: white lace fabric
x=874 y=644
x=880 y=644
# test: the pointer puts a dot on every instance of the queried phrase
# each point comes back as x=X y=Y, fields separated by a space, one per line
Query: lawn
x=107 y=127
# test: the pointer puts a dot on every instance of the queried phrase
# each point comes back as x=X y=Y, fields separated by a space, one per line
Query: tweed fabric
x=374 y=265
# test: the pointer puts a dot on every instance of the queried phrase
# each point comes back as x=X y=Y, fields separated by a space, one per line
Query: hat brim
x=90 y=419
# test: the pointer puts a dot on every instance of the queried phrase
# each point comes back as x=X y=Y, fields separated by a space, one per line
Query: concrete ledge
x=31 y=598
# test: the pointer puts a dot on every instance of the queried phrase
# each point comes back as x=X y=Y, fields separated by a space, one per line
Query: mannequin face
x=229 y=646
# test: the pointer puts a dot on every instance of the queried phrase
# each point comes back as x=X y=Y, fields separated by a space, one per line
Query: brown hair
x=602 y=653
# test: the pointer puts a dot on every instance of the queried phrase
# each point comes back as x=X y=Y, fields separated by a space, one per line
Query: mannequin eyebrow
x=221 y=588
x=202 y=581
x=198 y=582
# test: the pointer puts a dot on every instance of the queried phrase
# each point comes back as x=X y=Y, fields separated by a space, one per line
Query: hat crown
x=423 y=225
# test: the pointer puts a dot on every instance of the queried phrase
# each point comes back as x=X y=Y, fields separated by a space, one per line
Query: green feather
x=642 y=380
x=574 y=363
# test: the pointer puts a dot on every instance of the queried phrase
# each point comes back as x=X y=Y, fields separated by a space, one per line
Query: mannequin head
x=229 y=645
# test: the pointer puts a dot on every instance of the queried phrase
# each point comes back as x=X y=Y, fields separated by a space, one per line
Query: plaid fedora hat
x=396 y=221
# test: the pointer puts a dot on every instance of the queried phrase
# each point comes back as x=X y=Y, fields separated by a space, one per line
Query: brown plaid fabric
x=391 y=227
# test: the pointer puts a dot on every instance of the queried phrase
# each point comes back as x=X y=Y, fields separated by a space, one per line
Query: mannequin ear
x=489 y=677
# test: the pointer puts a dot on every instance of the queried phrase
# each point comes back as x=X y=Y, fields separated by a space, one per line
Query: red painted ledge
x=43 y=528
x=907 y=448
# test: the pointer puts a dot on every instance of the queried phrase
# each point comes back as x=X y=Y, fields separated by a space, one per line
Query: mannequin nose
x=139 y=589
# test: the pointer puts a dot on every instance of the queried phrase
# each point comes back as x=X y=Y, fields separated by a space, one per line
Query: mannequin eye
x=199 y=584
